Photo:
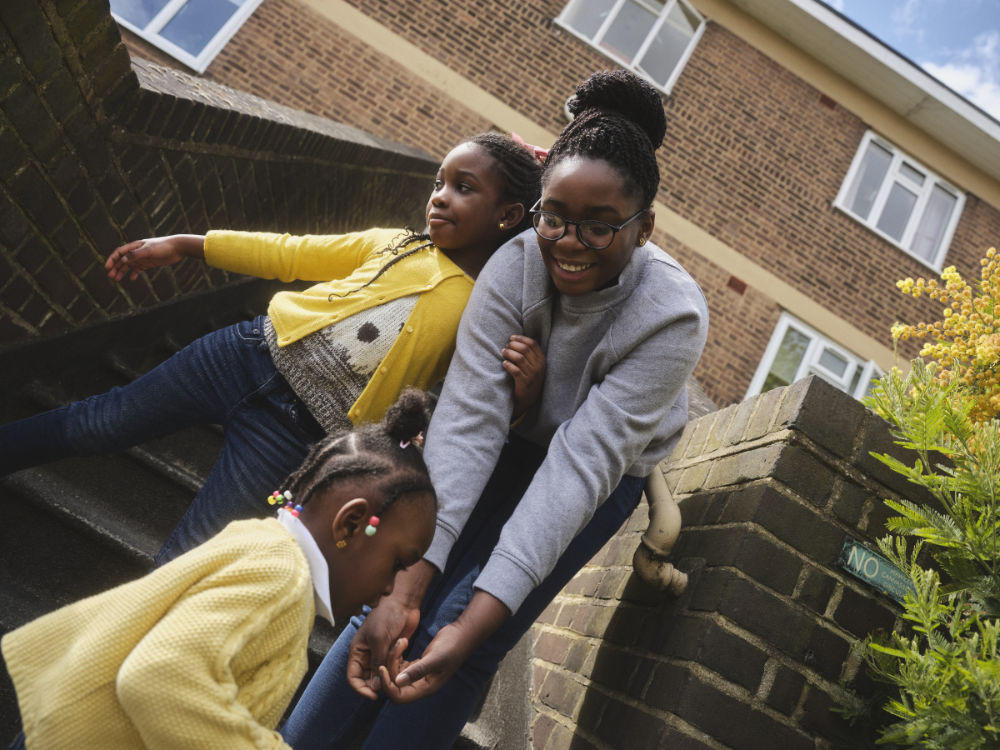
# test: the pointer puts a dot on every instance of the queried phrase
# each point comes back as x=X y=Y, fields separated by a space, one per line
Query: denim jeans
x=330 y=714
x=226 y=377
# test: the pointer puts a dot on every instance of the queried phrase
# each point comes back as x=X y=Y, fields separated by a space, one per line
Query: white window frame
x=893 y=175
x=151 y=33
x=810 y=360
x=650 y=36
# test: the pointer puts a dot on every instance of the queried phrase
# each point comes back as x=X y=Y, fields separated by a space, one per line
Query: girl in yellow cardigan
x=382 y=317
x=207 y=650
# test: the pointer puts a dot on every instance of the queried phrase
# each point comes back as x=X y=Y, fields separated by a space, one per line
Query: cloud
x=904 y=19
x=975 y=72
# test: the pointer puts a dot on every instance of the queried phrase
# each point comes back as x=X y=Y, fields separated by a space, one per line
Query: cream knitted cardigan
x=203 y=652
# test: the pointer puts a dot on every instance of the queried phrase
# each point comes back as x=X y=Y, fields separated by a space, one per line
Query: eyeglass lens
x=594 y=234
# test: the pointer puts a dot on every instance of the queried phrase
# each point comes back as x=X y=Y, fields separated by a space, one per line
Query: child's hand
x=377 y=642
x=129 y=260
x=524 y=361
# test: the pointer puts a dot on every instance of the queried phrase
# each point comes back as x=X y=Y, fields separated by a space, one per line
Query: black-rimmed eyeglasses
x=597 y=235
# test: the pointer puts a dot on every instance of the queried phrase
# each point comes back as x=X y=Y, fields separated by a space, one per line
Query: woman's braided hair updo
x=618 y=117
x=372 y=451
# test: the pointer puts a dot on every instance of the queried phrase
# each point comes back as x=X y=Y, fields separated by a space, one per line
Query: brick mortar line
x=679 y=724
x=838 y=575
x=706 y=675
x=94 y=104
x=176 y=192
x=713 y=677
x=120 y=135
x=756 y=640
x=669 y=718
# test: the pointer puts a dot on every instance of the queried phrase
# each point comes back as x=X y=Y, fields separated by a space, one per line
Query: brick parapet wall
x=95 y=153
x=756 y=652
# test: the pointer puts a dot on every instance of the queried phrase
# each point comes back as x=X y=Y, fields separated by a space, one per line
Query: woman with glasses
x=523 y=508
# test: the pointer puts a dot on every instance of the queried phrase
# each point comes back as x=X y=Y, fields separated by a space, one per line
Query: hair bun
x=627 y=94
x=409 y=416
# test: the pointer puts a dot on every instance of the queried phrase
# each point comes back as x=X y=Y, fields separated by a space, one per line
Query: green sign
x=874 y=570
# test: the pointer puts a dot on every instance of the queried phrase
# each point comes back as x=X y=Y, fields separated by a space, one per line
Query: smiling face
x=466 y=206
x=579 y=188
x=365 y=569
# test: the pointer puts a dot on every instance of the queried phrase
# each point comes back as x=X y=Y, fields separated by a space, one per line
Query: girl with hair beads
x=207 y=650
x=332 y=356
x=622 y=326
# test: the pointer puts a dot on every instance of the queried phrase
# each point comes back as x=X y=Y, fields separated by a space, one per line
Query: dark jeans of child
x=226 y=377
x=330 y=714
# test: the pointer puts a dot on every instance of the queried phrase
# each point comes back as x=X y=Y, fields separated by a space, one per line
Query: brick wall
x=288 y=53
x=754 y=653
x=94 y=153
x=753 y=154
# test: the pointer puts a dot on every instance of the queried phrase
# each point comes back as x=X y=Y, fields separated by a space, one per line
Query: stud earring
x=370 y=528
x=341 y=544
x=642 y=241
x=501 y=226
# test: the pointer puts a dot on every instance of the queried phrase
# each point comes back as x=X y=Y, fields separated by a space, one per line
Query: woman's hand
x=129 y=260
x=404 y=682
x=524 y=361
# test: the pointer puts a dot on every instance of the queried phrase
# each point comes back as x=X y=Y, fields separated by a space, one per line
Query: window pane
x=137 y=12
x=896 y=211
x=586 y=16
x=671 y=41
x=917 y=178
x=874 y=165
x=930 y=231
x=628 y=31
x=787 y=360
x=833 y=362
x=197 y=22
x=853 y=387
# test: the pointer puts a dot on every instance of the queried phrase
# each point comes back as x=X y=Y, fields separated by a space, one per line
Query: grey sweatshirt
x=614 y=400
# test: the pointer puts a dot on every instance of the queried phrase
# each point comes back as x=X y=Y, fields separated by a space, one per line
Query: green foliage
x=946 y=666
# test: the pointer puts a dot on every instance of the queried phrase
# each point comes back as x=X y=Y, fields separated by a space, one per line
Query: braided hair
x=520 y=182
x=618 y=118
x=374 y=451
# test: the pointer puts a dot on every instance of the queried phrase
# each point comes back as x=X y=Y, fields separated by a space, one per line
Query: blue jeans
x=226 y=377
x=330 y=714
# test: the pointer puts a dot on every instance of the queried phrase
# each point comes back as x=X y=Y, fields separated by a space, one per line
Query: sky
x=956 y=41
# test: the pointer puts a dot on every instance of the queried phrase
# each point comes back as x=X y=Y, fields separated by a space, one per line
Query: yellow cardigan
x=204 y=652
x=344 y=263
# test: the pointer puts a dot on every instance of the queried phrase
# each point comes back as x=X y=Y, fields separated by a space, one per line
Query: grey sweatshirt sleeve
x=471 y=419
x=589 y=454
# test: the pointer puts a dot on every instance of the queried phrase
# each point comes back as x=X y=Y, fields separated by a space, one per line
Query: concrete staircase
x=79 y=526
x=82 y=525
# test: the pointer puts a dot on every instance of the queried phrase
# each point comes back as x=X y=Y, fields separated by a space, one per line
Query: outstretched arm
x=131 y=259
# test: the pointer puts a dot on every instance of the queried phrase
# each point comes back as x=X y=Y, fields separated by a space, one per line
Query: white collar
x=319 y=571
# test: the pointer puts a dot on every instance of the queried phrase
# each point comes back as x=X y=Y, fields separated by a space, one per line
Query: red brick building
x=806 y=167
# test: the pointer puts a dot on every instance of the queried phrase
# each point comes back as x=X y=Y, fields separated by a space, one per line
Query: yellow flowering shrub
x=966 y=340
